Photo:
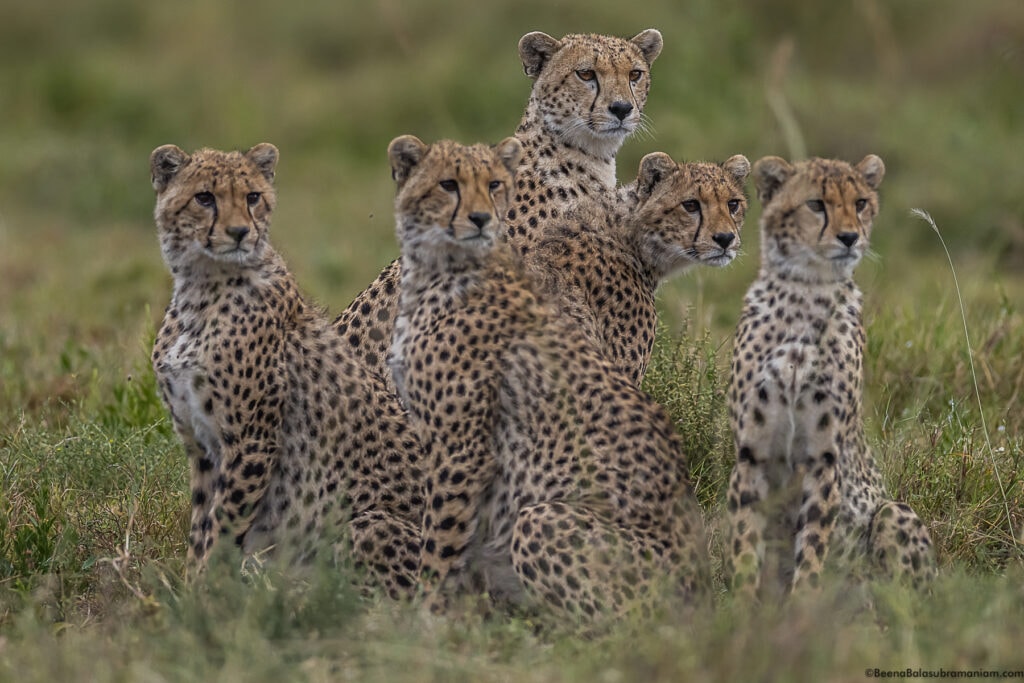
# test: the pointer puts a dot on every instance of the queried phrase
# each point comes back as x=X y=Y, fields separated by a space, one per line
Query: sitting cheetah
x=554 y=476
x=603 y=267
x=804 y=479
x=588 y=95
x=285 y=433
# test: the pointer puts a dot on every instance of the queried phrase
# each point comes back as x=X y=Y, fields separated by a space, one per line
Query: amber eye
x=253 y=198
x=449 y=185
x=734 y=205
x=635 y=75
x=205 y=199
x=495 y=185
x=816 y=205
x=861 y=203
x=586 y=74
x=691 y=205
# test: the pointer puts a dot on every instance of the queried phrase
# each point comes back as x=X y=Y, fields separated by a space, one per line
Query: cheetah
x=603 y=268
x=555 y=481
x=289 y=440
x=588 y=95
x=805 y=486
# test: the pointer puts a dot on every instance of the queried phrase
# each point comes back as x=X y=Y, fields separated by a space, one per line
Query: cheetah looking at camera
x=555 y=481
x=805 y=486
x=289 y=440
x=588 y=96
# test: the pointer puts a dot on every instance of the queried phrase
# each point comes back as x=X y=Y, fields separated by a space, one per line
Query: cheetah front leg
x=748 y=491
x=465 y=468
x=821 y=498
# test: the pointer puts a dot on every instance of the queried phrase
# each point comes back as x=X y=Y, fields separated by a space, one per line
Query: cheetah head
x=689 y=214
x=817 y=215
x=213 y=206
x=590 y=90
x=451 y=197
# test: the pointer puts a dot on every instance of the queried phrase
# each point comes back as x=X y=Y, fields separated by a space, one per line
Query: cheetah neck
x=655 y=261
x=819 y=300
x=568 y=169
x=203 y=282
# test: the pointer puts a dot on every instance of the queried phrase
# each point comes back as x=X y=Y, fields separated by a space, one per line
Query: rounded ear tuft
x=164 y=163
x=873 y=170
x=510 y=151
x=535 y=49
x=404 y=153
x=654 y=168
x=650 y=43
x=265 y=156
x=769 y=175
x=738 y=166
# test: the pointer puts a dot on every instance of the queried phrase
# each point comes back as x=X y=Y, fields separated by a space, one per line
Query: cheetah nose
x=238 y=232
x=480 y=218
x=620 y=109
x=847 y=238
x=723 y=239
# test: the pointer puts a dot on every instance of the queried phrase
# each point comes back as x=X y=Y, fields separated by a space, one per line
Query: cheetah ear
x=510 y=151
x=873 y=170
x=654 y=168
x=535 y=49
x=265 y=156
x=650 y=43
x=164 y=164
x=404 y=153
x=769 y=175
x=738 y=166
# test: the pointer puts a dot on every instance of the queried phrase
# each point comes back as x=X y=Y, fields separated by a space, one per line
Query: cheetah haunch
x=805 y=488
x=290 y=442
x=555 y=480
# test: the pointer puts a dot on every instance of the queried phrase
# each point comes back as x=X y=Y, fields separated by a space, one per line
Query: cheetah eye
x=494 y=185
x=253 y=198
x=635 y=75
x=861 y=204
x=586 y=74
x=692 y=205
x=816 y=205
x=734 y=205
x=449 y=186
x=205 y=199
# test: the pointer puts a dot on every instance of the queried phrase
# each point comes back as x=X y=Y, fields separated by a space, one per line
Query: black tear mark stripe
x=824 y=206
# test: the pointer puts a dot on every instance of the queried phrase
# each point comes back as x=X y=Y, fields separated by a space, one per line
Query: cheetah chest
x=182 y=371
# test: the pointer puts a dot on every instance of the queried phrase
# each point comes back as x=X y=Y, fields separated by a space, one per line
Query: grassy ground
x=93 y=499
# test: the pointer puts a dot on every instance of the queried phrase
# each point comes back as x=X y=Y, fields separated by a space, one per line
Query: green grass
x=93 y=493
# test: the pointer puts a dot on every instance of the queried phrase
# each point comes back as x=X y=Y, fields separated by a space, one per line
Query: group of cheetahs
x=472 y=424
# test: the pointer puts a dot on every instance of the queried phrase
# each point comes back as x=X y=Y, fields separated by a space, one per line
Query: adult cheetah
x=554 y=479
x=588 y=95
x=289 y=440
x=602 y=267
x=805 y=486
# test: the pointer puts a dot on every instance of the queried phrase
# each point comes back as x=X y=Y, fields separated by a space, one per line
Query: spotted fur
x=588 y=95
x=805 y=488
x=555 y=481
x=602 y=268
x=290 y=442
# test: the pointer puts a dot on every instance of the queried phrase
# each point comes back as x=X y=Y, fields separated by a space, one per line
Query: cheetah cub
x=602 y=267
x=805 y=486
x=288 y=440
x=555 y=481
